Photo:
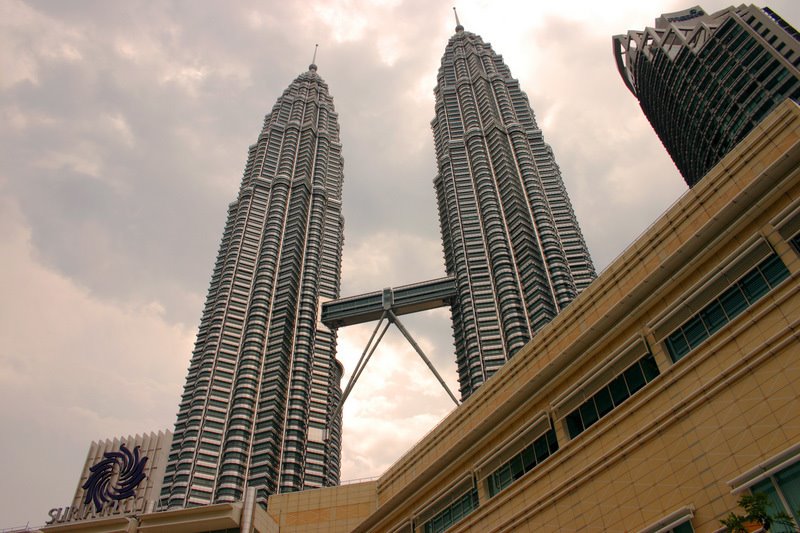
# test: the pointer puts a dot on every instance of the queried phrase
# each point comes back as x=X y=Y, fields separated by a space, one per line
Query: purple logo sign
x=130 y=469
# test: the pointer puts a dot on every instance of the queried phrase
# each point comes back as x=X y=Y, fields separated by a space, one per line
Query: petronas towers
x=263 y=383
x=509 y=233
x=263 y=380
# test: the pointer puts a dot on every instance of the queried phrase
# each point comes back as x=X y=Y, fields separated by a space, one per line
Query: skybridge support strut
x=416 y=347
x=391 y=318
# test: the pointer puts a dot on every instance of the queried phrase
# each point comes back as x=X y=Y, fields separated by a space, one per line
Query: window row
x=733 y=301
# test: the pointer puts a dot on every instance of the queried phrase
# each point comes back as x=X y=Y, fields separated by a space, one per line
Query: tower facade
x=705 y=81
x=510 y=236
x=263 y=381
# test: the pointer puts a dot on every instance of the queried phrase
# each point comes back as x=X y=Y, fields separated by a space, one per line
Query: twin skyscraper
x=260 y=404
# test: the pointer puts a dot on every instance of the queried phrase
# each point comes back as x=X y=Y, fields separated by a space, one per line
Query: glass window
x=603 y=401
x=589 y=413
x=523 y=462
x=774 y=270
x=713 y=317
x=619 y=390
x=782 y=490
x=677 y=345
x=632 y=379
x=516 y=467
x=789 y=482
x=540 y=450
x=733 y=302
x=457 y=510
x=794 y=242
x=528 y=458
x=754 y=286
x=695 y=331
x=735 y=299
x=649 y=367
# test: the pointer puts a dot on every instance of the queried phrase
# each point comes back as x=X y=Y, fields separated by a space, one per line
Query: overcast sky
x=124 y=133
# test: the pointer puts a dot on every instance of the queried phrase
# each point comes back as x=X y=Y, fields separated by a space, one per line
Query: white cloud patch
x=388 y=259
x=120 y=126
x=84 y=160
x=73 y=369
x=29 y=40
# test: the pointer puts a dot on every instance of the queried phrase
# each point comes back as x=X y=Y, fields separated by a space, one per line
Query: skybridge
x=401 y=300
x=385 y=306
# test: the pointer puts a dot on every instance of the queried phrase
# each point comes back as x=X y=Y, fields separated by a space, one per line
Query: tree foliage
x=757 y=513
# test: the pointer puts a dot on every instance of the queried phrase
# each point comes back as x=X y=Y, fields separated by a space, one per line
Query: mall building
x=663 y=392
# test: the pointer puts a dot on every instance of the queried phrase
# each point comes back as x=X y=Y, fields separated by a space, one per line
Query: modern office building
x=705 y=80
x=510 y=237
x=263 y=380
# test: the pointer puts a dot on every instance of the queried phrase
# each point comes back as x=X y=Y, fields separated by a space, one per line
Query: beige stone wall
x=334 y=509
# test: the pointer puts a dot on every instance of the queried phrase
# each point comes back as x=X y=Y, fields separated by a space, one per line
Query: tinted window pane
x=754 y=286
x=774 y=269
x=649 y=367
x=733 y=301
x=588 y=413
x=774 y=504
x=493 y=488
x=796 y=243
x=634 y=377
x=686 y=527
x=677 y=345
x=455 y=510
x=603 y=401
x=619 y=390
x=574 y=425
x=528 y=460
x=540 y=448
x=504 y=476
x=714 y=317
x=516 y=467
x=789 y=481
x=552 y=442
x=730 y=304
x=695 y=331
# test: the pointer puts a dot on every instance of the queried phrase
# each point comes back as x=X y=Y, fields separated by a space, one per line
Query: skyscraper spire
x=459 y=27
x=510 y=237
x=263 y=381
x=313 y=65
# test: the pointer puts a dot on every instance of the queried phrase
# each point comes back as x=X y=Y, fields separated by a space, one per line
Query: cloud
x=73 y=369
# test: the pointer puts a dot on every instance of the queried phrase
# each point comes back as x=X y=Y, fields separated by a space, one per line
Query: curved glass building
x=705 y=81
x=509 y=233
x=263 y=381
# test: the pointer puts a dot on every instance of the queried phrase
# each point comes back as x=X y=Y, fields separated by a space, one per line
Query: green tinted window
x=523 y=462
x=633 y=378
x=457 y=510
x=727 y=306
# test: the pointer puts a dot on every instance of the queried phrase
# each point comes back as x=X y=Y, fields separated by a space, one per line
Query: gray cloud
x=125 y=132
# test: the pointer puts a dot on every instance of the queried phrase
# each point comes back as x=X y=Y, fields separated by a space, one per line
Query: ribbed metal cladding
x=263 y=381
x=705 y=81
x=509 y=232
